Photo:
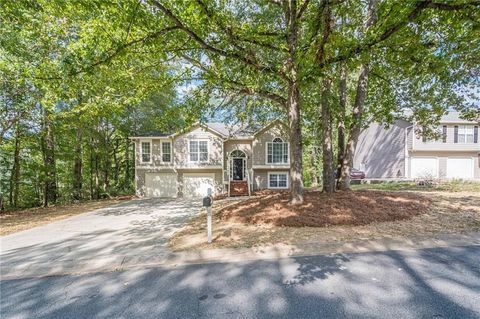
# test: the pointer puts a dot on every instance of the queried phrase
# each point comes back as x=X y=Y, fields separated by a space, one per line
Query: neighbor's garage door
x=422 y=167
x=197 y=184
x=460 y=167
x=161 y=185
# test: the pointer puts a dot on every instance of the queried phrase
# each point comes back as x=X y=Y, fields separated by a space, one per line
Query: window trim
x=466 y=129
x=288 y=152
x=278 y=173
x=141 y=151
x=208 y=150
x=161 y=151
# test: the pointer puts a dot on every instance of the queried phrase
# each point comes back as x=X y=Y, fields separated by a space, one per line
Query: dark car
x=357 y=174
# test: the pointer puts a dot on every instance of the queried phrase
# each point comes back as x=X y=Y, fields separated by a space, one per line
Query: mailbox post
x=207 y=203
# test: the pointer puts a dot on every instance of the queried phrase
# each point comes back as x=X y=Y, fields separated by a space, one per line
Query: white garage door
x=422 y=167
x=459 y=167
x=197 y=184
x=160 y=185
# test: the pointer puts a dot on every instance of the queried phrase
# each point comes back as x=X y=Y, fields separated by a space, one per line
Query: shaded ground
x=14 y=221
x=407 y=284
x=133 y=231
x=448 y=213
x=321 y=210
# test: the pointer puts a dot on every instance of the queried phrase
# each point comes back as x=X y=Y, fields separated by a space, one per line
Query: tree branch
x=233 y=55
x=419 y=7
x=114 y=52
x=238 y=86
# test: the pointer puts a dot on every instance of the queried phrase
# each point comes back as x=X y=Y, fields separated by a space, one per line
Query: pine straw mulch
x=320 y=209
x=345 y=217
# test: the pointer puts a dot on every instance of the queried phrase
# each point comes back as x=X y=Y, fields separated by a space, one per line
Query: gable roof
x=223 y=130
x=268 y=126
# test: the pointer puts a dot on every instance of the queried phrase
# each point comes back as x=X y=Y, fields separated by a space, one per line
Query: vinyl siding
x=261 y=140
x=181 y=148
x=380 y=151
x=260 y=178
x=450 y=145
x=156 y=154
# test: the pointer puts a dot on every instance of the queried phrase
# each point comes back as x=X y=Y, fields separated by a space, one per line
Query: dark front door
x=238 y=169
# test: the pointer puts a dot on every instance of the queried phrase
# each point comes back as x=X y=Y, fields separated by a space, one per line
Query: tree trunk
x=358 y=109
x=295 y=144
x=48 y=150
x=15 y=175
x=97 y=182
x=116 y=161
x=341 y=121
x=314 y=164
x=78 y=166
x=91 y=168
x=293 y=104
x=127 y=164
x=327 y=147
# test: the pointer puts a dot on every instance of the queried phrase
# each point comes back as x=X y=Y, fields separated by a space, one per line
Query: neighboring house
x=400 y=151
x=212 y=156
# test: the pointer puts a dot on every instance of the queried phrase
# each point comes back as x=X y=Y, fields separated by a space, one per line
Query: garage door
x=161 y=185
x=422 y=167
x=197 y=184
x=460 y=167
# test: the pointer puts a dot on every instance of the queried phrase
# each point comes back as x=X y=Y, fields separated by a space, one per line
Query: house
x=400 y=151
x=214 y=156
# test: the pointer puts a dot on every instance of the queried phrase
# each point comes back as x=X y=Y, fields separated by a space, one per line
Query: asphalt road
x=428 y=283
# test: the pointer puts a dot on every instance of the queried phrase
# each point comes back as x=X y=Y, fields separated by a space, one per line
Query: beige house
x=400 y=151
x=215 y=156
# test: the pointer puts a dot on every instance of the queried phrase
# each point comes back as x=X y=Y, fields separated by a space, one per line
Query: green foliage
x=111 y=69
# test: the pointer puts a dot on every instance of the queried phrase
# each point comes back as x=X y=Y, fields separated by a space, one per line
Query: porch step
x=238 y=188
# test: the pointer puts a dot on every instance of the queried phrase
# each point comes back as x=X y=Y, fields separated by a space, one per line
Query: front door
x=237 y=169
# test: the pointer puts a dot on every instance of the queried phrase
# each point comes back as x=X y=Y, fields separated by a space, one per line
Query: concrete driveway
x=134 y=232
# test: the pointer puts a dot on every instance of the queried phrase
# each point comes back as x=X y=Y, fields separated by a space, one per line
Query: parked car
x=356 y=174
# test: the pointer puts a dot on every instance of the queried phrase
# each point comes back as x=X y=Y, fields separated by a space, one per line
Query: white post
x=209 y=218
x=209 y=224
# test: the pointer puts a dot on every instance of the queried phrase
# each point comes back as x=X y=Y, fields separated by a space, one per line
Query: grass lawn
x=451 y=186
x=14 y=221
x=368 y=212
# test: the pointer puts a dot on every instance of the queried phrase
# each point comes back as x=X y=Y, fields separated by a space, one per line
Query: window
x=277 y=152
x=277 y=180
x=444 y=134
x=198 y=151
x=146 y=152
x=166 y=152
x=465 y=134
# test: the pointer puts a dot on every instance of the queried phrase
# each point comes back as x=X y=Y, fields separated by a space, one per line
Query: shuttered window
x=465 y=134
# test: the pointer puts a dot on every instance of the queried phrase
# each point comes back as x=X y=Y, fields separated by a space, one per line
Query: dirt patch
x=321 y=210
x=447 y=213
x=14 y=221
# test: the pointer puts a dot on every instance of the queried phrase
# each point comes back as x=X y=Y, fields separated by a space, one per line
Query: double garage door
x=456 y=167
x=166 y=185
